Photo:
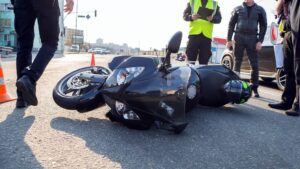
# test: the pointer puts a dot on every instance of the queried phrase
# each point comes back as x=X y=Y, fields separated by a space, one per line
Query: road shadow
x=225 y=137
x=14 y=152
x=264 y=99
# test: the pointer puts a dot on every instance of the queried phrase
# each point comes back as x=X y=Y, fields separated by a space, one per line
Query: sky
x=145 y=24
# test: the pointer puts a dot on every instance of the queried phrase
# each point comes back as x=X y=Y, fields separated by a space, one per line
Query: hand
x=69 y=6
x=195 y=16
x=281 y=40
x=229 y=44
x=258 y=46
x=209 y=18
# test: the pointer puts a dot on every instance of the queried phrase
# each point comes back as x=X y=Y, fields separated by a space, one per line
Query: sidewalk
x=12 y=56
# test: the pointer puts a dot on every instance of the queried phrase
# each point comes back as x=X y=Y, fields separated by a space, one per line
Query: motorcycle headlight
x=124 y=75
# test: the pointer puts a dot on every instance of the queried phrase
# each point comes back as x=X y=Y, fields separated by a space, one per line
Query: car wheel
x=227 y=61
x=280 y=79
x=267 y=79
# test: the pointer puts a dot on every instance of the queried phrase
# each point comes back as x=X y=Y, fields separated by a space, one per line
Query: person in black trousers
x=47 y=13
x=201 y=15
x=289 y=92
x=244 y=22
x=295 y=26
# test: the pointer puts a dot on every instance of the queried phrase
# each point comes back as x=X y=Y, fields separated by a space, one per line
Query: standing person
x=202 y=15
x=245 y=19
x=289 y=92
x=47 y=13
x=295 y=26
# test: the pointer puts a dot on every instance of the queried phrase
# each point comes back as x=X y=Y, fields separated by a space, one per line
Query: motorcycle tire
x=71 y=99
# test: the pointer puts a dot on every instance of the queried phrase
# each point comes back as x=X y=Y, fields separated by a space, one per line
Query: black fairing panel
x=162 y=95
x=117 y=61
x=213 y=78
x=135 y=61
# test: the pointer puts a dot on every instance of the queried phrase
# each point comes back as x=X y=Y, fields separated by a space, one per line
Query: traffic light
x=95 y=13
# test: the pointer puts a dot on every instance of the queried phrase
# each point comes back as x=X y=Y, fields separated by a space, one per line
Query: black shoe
x=21 y=103
x=255 y=92
x=295 y=107
x=292 y=113
x=280 y=106
x=27 y=88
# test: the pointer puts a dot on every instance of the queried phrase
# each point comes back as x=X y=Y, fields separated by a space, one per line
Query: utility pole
x=75 y=34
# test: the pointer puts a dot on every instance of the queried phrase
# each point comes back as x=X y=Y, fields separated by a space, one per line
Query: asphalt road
x=234 y=136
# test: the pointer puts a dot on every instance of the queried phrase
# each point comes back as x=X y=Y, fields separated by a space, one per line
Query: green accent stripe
x=245 y=85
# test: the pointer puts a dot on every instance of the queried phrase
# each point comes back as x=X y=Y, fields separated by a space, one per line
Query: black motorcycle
x=142 y=90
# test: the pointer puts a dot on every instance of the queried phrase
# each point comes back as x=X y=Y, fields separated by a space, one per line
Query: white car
x=74 y=48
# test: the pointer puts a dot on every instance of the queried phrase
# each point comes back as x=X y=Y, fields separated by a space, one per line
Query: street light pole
x=75 y=39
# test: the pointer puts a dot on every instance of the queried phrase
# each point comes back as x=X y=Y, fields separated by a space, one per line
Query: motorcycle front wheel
x=72 y=88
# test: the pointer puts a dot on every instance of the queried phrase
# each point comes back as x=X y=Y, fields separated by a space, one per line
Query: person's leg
x=24 y=27
x=48 y=22
x=192 y=49
x=253 y=59
x=238 y=51
x=289 y=92
x=204 y=49
x=47 y=13
x=295 y=25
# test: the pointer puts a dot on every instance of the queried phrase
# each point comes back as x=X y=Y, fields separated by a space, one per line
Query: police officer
x=295 y=26
x=245 y=19
x=289 y=92
x=202 y=15
x=47 y=13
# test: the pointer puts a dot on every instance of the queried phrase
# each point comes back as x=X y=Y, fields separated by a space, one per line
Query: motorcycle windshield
x=173 y=91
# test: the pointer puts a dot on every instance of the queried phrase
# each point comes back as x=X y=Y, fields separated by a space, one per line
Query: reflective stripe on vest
x=281 y=26
x=202 y=26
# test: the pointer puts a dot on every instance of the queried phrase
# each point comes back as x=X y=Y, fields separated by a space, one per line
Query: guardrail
x=4 y=50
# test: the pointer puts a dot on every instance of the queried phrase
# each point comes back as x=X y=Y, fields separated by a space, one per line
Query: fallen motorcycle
x=146 y=90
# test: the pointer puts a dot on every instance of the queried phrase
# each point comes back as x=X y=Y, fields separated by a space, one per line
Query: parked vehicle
x=74 y=48
x=99 y=51
x=142 y=91
x=91 y=50
x=268 y=71
x=181 y=57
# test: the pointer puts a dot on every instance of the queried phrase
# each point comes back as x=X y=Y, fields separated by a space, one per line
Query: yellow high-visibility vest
x=200 y=25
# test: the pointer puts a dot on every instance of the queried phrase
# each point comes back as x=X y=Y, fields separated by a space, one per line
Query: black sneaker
x=280 y=106
x=27 y=88
x=21 y=103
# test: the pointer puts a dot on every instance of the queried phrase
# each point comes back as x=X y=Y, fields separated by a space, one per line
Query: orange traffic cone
x=4 y=96
x=93 y=60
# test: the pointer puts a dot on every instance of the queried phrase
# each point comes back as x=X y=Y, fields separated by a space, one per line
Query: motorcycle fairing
x=213 y=78
x=161 y=95
x=118 y=60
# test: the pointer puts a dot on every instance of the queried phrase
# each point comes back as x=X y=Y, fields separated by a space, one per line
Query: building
x=73 y=36
x=7 y=32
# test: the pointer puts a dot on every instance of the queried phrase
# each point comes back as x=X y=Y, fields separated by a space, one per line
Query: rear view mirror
x=273 y=33
x=174 y=43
